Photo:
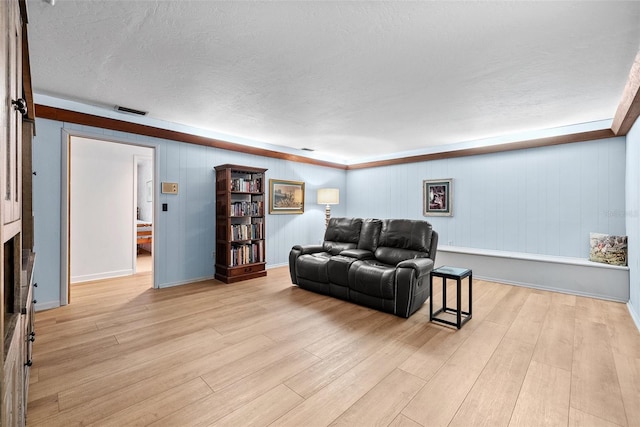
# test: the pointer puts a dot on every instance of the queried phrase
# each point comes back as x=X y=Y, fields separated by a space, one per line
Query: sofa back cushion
x=370 y=234
x=341 y=234
x=402 y=239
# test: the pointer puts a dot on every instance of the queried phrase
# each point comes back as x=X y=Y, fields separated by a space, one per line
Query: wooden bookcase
x=240 y=223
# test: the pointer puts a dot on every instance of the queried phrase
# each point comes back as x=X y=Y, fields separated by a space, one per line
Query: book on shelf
x=247 y=231
x=246 y=184
x=245 y=208
x=247 y=253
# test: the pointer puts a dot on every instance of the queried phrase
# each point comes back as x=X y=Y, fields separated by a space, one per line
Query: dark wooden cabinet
x=16 y=251
x=240 y=223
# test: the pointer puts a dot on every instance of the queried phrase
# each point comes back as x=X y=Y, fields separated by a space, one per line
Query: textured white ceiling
x=352 y=78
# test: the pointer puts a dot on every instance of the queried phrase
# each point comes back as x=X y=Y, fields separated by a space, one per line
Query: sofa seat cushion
x=334 y=248
x=393 y=256
x=314 y=266
x=373 y=278
x=338 y=269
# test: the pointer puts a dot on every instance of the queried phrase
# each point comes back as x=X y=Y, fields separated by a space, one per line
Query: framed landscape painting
x=437 y=197
x=286 y=197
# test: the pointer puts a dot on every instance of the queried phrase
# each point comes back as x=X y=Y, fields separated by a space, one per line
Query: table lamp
x=328 y=197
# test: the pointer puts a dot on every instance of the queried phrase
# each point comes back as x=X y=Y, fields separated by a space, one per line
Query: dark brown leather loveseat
x=383 y=264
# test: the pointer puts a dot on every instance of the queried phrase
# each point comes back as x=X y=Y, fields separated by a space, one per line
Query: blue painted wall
x=541 y=200
x=633 y=218
x=185 y=234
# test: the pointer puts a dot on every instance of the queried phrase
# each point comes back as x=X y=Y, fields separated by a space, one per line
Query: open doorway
x=104 y=194
x=143 y=182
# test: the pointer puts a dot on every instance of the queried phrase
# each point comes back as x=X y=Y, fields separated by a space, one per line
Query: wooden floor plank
x=43 y=408
x=425 y=362
x=560 y=299
x=208 y=410
x=359 y=328
x=628 y=368
x=157 y=406
x=555 y=344
x=503 y=374
x=334 y=318
x=344 y=358
x=544 y=398
x=623 y=335
x=225 y=375
x=462 y=369
x=73 y=381
x=85 y=353
x=509 y=306
x=383 y=403
x=324 y=406
x=106 y=404
x=402 y=421
x=429 y=358
x=578 y=418
x=595 y=388
x=263 y=410
x=179 y=366
x=591 y=310
x=527 y=325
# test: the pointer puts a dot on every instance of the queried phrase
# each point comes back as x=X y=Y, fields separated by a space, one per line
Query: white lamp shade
x=328 y=196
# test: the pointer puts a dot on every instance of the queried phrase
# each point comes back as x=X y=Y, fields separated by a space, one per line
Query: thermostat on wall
x=169 y=188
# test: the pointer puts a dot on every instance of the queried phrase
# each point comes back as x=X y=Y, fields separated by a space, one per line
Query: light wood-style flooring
x=264 y=352
x=144 y=262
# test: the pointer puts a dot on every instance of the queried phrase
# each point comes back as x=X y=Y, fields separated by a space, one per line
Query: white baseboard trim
x=185 y=282
x=46 y=305
x=546 y=288
x=100 y=276
x=574 y=276
x=282 y=264
x=202 y=279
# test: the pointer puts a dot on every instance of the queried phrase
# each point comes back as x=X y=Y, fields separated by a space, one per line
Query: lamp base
x=327 y=215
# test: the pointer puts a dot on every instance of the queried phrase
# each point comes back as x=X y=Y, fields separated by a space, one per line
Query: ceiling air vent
x=130 y=111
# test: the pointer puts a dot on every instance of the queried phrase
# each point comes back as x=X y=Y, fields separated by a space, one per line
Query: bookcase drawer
x=245 y=269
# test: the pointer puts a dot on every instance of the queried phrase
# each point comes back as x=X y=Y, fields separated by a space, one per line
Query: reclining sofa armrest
x=307 y=249
x=412 y=285
x=296 y=251
x=357 y=253
x=421 y=266
x=434 y=246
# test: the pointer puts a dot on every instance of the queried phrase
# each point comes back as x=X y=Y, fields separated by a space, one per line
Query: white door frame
x=65 y=203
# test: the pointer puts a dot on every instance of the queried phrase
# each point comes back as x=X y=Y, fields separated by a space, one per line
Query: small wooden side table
x=457 y=274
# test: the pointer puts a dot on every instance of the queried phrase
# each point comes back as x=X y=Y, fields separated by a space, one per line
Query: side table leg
x=430 y=297
x=444 y=294
x=459 y=302
x=470 y=293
